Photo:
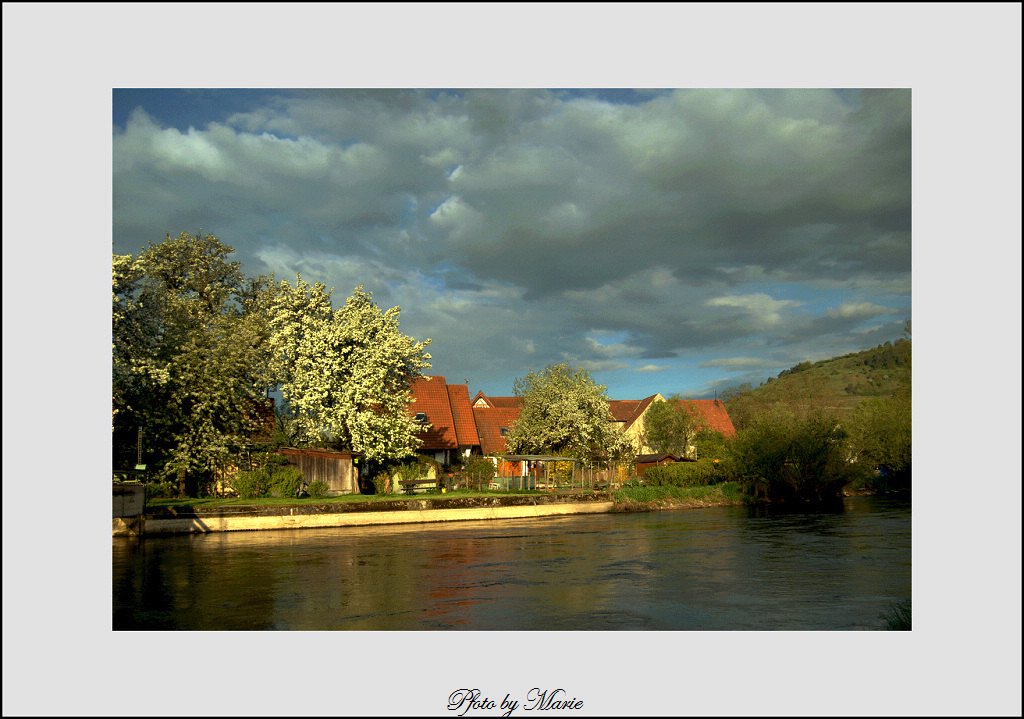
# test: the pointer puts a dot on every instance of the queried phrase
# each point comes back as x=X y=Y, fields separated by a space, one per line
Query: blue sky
x=672 y=241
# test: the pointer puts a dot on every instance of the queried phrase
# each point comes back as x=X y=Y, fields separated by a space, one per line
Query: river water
x=724 y=568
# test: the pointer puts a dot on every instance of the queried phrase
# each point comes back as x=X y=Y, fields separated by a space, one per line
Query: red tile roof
x=629 y=410
x=489 y=421
x=462 y=414
x=714 y=414
x=431 y=395
x=448 y=411
x=482 y=400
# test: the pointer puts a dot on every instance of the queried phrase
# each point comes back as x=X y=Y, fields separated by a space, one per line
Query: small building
x=644 y=461
x=337 y=469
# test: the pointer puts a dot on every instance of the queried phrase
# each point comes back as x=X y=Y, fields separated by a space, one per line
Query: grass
x=651 y=497
x=897 y=618
x=712 y=494
x=210 y=502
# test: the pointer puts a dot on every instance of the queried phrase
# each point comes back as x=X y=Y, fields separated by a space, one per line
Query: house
x=494 y=416
x=261 y=415
x=445 y=411
x=629 y=415
x=713 y=416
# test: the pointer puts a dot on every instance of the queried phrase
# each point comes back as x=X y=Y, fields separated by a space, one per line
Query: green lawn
x=190 y=503
x=724 y=493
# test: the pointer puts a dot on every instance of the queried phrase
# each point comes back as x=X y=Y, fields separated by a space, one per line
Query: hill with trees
x=819 y=425
x=836 y=386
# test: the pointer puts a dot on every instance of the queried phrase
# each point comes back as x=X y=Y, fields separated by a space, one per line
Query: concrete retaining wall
x=300 y=517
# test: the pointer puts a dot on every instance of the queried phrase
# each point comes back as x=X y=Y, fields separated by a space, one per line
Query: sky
x=679 y=241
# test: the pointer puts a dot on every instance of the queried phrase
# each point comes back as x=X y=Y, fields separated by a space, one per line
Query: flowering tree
x=564 y=412
x=347 y=373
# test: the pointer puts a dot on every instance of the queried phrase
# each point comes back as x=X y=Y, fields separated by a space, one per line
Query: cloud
x=740 y=363
x=858 y=310
x=760 y=309
x=517 y=226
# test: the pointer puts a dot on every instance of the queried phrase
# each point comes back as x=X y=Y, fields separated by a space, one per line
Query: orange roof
x=489 y=421
x=448 y=413
x=431 y=396
x=629 y=410
x=462 y=414
x=714 y=414
x=482 y=400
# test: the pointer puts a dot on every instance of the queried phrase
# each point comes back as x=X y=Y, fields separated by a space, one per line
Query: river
x=722 y=568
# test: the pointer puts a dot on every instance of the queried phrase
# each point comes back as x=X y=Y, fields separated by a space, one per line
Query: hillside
x=835 y=385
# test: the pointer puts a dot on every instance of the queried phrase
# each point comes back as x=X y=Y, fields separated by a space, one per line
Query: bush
x=317 y=489
x=158 y=490
x=479 y=473
x=898 y=617
x=682 y=474
x=382 y=483
x=250 y=485
x=284 y=479
x=782 y=457
x=287 y=481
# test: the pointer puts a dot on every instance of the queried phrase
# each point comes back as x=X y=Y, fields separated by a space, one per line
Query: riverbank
x=248 y=517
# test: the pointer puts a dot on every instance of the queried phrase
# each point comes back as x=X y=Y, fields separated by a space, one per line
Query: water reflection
x=723 y=568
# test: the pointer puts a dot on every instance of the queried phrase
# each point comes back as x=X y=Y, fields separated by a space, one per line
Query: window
x=504 y=431
x=421 y=416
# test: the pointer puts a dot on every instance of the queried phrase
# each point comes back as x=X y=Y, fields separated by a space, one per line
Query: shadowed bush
x=782 y=457
x=683 y=474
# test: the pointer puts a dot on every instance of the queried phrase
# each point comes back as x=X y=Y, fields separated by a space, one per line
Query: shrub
x=287 y=481
x=274 y=476
x=317 y=489
x=382 y=483
x=682 y=474
x=250 y=485
x=898 y=617
x=157 y=490
x=480 y=472
x=782 y=457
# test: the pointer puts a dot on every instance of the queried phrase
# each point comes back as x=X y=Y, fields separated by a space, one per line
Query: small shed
x=643 y=461
x=337 y=469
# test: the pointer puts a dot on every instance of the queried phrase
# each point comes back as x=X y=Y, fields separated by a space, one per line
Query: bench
x=410 y=485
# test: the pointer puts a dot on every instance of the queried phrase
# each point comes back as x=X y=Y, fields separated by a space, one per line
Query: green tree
x=566 y=413
x=782 y=455
x=671 y=426
x=190 y=355
x=881 y=434
x=347 y=373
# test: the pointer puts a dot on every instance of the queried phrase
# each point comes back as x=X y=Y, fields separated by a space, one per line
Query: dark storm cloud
x=677 y=220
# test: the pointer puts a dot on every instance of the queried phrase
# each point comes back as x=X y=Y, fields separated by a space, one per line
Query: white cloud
x=858 y=310
x=764 y=311
x=652 y=368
